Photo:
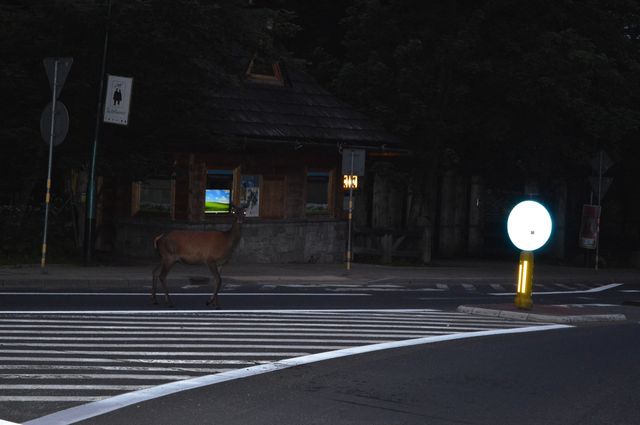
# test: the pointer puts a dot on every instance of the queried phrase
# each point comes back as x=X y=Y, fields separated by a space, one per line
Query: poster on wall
x=250 y=195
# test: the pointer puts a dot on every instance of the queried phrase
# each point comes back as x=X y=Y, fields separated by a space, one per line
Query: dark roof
x=299 y=110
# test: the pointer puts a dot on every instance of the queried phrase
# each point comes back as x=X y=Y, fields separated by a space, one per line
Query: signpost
x=352 y=166
x=54 y=124
x=529 y=227
x=91 y=183
x=601 y=162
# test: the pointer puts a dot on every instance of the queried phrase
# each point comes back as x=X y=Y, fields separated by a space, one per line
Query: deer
x=212 y=248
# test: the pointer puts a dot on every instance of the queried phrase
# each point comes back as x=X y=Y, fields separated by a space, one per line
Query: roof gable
x=296 y=109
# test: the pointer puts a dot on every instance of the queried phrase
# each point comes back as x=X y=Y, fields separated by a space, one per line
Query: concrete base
x=544 y=313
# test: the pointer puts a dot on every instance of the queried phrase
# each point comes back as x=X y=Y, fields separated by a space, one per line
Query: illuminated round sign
x=529 y=225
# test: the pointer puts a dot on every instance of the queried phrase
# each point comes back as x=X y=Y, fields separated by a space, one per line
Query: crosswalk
x=77 y=357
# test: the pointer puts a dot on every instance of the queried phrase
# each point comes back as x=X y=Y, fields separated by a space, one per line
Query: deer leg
x=217 y=283
x=154 y=284
x=166 y=267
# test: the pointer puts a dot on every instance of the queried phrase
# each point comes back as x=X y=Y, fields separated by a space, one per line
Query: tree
x=498 y=81
x=177 y=52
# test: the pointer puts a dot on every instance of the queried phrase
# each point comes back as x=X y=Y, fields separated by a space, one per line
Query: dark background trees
x=514 y=91
x=525 y=80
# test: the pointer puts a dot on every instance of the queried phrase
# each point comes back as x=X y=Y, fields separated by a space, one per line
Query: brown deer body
x=212 y=248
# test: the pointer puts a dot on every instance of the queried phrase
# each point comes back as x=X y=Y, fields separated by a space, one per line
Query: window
x=152 y=196
x=260 y=71
x=218 y=192
x=317 y=200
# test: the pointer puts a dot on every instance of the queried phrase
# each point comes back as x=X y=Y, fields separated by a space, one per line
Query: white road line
x=52 y=323
x=308 y=332
x=3 y=422
x=236 y=327
x=586 y=291
x=164 y=340
x=442 y=286
x=52 y=398
x=135 y=360
x=220 y=312
x=212 y=322
x=497 y=286
x=70 y=387
x=629 y=290
x=469 y=287
x=258 y=354
x=34 y=367
x=227 y=318
x=142 y=377
x=191 y=294
x=174 y=346
x=86 y=411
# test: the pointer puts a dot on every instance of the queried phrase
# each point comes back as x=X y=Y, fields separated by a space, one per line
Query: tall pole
x=349 y=253
x=600 y=207
x=91 y=183
x=47 y=199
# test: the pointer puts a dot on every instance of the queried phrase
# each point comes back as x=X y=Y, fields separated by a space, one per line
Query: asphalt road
x=578 y=374
x=320 y=296
x=571 y=376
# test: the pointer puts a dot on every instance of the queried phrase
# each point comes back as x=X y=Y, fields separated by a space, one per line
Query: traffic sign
x=64 y=65
x=353 y=162
x=529 y=225
x=600 y=185
x=61 y=123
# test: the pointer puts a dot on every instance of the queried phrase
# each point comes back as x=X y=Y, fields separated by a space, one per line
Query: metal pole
x=91 y=189
x=349 y=254
x=600 y=207
x=47 y=198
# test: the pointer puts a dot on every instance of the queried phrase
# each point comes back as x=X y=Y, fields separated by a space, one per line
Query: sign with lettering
x=117 y=100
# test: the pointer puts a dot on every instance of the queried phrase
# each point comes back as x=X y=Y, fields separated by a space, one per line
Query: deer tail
x=156 y=239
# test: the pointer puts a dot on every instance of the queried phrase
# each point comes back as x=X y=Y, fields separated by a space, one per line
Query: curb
x=584 y=318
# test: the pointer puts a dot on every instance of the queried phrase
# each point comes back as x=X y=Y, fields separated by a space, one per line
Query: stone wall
x=281 y=241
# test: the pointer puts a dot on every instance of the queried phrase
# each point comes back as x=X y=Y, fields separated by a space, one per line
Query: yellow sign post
x=529 y=227
x=525 y=281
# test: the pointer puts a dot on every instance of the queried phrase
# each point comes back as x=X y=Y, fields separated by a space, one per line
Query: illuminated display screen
x=217 y=201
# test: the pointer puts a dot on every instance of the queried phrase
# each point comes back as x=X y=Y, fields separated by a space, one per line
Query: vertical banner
x=590 y=226
x=117 y=100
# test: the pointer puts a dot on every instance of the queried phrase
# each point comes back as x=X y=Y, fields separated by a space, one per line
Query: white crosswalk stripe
x=80 y=357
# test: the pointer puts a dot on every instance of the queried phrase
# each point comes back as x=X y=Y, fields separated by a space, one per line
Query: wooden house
x=277 y=146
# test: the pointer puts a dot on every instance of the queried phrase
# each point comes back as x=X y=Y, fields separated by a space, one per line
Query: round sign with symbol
x=529 y=225
x=61 y=123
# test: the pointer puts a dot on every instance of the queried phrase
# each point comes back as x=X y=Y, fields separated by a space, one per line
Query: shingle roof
x=300 y=110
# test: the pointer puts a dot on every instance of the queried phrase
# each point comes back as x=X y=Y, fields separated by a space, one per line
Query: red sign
x=590 y=226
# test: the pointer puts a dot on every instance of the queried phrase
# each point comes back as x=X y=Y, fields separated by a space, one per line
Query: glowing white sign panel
x=529 y=225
